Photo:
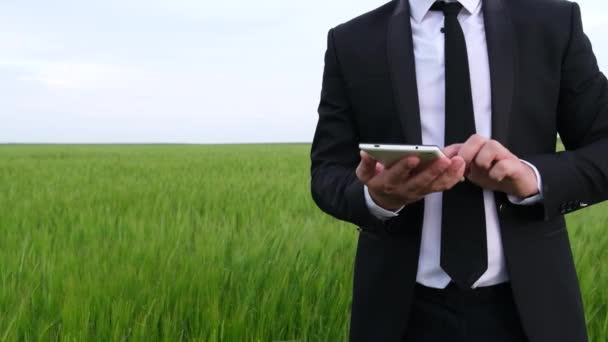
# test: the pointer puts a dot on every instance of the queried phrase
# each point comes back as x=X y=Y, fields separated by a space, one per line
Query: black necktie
x=464 y=251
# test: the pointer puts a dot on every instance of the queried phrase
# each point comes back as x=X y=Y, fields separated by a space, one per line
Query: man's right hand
x=405 y=182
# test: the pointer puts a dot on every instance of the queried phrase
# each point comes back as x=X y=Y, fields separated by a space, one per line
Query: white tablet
x=389 y=154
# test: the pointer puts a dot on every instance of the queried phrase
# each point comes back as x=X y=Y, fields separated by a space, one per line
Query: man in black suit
x=473 y=247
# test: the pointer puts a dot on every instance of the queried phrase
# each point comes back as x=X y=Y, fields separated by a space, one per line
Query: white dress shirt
x=429 y=57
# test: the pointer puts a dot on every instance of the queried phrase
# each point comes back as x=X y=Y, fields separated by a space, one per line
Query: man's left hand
x=493 y=167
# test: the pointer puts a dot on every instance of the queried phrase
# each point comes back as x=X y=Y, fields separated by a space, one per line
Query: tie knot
x=449 y=9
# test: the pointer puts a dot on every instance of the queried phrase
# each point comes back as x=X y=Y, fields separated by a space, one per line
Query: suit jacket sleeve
x=335 y=152
x=578 y=177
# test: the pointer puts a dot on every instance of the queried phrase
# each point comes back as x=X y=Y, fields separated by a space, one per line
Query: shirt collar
x=419 y=8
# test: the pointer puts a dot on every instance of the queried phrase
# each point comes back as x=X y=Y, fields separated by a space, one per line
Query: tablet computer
x=389 y=154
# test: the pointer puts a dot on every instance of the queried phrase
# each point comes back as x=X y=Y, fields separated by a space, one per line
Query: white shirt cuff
x=534 y=199
x=377 y=210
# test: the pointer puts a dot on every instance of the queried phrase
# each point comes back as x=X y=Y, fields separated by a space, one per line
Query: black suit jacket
x=545 y=81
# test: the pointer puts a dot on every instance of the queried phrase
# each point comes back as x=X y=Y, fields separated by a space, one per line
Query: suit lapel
x=500 y=37
x=403 y=72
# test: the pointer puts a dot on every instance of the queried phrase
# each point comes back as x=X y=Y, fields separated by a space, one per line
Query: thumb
x=452 y=150
x=379 y=168
x=367 y=168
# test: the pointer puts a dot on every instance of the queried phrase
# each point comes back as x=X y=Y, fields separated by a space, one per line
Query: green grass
x=209 y=243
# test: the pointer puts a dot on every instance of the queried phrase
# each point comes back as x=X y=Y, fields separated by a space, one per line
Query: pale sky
x=179 y=71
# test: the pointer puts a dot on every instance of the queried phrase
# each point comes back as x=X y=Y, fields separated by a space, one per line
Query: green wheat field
x=185 y=242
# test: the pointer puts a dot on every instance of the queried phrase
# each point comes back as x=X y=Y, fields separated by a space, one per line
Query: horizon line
x=153 y=143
